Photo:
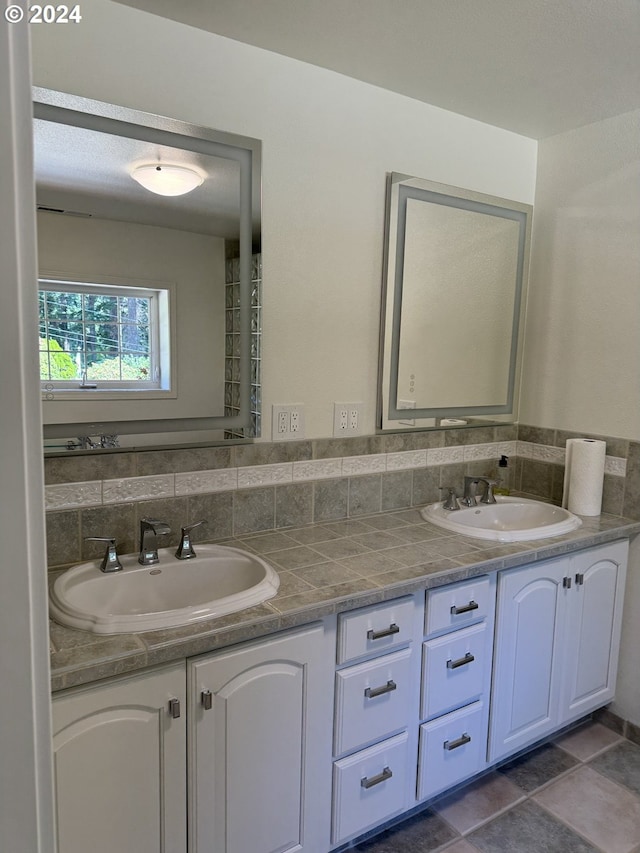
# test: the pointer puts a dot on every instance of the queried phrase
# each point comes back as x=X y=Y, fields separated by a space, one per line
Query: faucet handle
x=185 y=548
x=451 y=501
x=488 y=497
x=110 y=561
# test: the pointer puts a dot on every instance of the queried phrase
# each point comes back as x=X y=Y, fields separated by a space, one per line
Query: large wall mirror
x=454 y=295
x=149 y=277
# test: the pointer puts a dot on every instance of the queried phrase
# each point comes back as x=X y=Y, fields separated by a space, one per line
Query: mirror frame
x=401 y=188
x=86 y=113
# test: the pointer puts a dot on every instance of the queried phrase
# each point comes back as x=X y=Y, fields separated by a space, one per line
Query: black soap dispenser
x=502 y=477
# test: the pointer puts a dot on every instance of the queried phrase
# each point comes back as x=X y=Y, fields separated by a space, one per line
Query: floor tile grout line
x=573 y=829
x=530 y=796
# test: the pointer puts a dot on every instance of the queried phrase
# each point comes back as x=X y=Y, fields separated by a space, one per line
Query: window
x=105 y=338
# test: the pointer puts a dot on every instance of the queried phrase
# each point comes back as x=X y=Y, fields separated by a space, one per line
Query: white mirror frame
x=401 y=189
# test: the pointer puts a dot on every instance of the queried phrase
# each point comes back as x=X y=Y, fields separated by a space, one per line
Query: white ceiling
x=536 y=67
x=85 y=172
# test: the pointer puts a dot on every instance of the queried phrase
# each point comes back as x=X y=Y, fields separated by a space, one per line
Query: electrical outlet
x=287 y=422
x=347 y=418
x=284 y=421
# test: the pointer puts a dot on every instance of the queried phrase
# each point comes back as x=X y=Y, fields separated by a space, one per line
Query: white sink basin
x=510 y=519
x=173 y=592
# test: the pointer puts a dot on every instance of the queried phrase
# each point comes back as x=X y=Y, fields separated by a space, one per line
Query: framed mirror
x=150 y=293
x=454 y=295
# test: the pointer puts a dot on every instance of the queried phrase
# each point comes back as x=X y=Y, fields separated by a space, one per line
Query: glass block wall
x=232 y=344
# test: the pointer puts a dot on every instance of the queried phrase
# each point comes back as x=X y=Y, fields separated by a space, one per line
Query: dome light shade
x=167 y=180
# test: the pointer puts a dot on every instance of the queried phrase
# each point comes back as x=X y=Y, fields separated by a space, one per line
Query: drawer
x=452 y=748
x=458 y=604
x=373 y=699
x=369 y=787
x=375 y=629
x=454 y=670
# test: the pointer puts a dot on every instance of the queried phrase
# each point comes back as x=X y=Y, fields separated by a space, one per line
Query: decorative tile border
x=138 y=488
x=613 y=465
x=127 y=489
x=203 y=482
x=73 y=495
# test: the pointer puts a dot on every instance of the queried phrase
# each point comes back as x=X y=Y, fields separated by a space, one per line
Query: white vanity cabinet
x=260 y=745
x=455 y=683
x=304 y=740
x=557 y=642
x=376 y=699
x=119 y=752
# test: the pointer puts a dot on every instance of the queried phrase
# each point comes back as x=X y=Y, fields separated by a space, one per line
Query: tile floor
x=579 y=794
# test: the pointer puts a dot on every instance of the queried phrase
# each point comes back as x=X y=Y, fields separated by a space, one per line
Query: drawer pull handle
x=386 y=632
x=206 y=697
x=372 y=692
x=472 y=605
x=454 y=744
x=454 y=664
x=375 y=780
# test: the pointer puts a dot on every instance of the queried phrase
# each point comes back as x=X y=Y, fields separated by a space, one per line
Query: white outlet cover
x=347 y=419
x=292 y=416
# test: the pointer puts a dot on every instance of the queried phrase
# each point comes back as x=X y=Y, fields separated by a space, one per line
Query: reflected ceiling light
x=167 y=180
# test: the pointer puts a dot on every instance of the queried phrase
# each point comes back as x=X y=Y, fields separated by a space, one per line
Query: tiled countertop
x=324 y=568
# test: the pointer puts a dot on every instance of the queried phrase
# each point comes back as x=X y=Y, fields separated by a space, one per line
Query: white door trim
x=26 y=798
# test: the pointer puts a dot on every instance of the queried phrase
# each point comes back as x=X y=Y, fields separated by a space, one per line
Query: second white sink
x=510 y=519
x=173 y=592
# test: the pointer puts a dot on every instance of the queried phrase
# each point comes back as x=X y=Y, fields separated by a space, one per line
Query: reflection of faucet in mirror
x=149 y=530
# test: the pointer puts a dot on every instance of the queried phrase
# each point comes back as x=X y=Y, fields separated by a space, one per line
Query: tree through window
x=99 y=336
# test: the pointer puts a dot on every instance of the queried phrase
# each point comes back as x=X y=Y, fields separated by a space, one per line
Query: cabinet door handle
x=386 y=632
x=206 y=697
x=375 y=780
x=472 y=605
x=579 y=579
x=174 y=708
x=454 y=664
x=454 y=744
x=566 y=583
x=372 y=692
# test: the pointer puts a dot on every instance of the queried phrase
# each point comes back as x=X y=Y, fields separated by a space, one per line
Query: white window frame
x=162 y=339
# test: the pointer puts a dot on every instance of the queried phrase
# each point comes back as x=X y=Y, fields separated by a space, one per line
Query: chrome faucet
x=150 y=529
x=469 y=497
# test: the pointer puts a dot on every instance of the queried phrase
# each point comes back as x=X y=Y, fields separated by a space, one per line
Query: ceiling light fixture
x=167 y=180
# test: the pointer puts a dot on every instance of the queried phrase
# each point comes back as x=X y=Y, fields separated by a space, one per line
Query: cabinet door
x=261 y=753
x=594 y=622
x=528 y=655
x=119 y=766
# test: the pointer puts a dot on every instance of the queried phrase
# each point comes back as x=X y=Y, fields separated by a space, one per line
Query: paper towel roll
x=584 y=476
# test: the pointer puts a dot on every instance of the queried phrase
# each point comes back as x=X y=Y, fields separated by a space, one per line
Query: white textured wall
x=328 y=142
x=581 y=360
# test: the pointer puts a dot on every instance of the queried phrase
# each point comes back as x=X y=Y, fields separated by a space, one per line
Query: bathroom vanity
x=304 y=731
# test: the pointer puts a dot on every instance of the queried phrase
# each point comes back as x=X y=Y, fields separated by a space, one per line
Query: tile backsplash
x=243 y=489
